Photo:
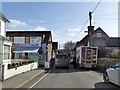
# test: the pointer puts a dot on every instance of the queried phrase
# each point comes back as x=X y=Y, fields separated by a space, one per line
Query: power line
x=96 y=6
x=82 y=28
x=62 y=21
x=107 y=14
x=88 y=19
x=61 y=26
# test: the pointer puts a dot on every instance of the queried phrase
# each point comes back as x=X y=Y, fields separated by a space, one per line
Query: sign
x=44 y=48
x=27 y=45
x=47 y=65
x=50 y=42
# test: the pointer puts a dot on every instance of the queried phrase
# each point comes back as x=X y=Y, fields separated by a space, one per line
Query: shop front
x=27 y=53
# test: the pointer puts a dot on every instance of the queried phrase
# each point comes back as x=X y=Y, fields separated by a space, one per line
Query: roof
x=29 y=33
x=101 y=30
x=83 y=41
x=110 y=41
x=27 y=49
x=3 y=17
x=4 y=38
x=114 y=42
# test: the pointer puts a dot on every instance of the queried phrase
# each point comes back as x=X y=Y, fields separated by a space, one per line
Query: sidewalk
x=19 y=80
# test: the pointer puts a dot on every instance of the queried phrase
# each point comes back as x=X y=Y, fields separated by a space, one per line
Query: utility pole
x=90 y=28
x=90 y=17
x=59 y=45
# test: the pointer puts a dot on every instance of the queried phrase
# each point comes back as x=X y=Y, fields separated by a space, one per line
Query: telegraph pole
x=90 y=17
x=89 y=28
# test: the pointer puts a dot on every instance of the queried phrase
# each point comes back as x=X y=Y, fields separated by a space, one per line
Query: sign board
x=28 y=44
x=47 y=65
x=44 y=48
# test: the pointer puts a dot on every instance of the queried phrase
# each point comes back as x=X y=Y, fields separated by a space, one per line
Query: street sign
x=47 y=65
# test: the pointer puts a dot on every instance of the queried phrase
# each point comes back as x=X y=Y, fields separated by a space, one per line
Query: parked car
x=61 y=60
x=112 y=74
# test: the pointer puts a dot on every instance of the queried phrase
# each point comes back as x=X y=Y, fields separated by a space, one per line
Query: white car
x=112 y=74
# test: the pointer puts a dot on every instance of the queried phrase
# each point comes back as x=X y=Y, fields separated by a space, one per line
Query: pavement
x=19 y=80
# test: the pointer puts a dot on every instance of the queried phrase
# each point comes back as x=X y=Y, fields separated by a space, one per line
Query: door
x=89 y=54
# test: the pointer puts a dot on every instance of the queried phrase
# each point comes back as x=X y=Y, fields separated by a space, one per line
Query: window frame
x=99 y=35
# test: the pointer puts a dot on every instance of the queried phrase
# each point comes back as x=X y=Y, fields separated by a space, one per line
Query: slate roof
x=113 y=42
x=3 y=17
x=110 y=42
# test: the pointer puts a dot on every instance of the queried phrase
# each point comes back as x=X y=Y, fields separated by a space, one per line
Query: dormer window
x=99 y=34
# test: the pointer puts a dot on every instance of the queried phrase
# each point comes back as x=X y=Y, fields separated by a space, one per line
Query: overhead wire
x=96 y=6
x=88 y=19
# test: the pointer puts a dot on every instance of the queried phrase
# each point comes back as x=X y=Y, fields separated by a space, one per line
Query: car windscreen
x=61 y=56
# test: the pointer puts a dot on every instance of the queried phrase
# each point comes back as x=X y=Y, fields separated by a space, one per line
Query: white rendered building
x=5 y=44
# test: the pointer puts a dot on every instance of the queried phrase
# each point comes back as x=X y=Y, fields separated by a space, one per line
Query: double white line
x=29 y=79
x=39 y=80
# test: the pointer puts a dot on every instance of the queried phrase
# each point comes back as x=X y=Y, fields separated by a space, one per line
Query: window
x=19 y=40
x=6 y=52
x=99 y=34
x=61 y=56
x=35 y=39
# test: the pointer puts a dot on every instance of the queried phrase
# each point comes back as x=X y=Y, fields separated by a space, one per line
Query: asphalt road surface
x=69 y=78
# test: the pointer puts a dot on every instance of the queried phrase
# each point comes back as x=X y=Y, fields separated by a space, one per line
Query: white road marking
x=29 y=79
x=39 y=80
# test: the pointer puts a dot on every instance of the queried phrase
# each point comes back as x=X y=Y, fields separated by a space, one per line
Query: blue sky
x=64 y=19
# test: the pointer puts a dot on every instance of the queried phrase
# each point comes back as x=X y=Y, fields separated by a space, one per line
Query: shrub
x=10 y=66
x=116 y=54
x=15 y=65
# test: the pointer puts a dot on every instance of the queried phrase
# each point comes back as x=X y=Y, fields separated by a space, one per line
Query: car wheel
x=105 y=77
x=67 y=67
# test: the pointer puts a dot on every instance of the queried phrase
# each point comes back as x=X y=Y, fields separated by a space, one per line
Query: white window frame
x=99 y=34
x=8 y=52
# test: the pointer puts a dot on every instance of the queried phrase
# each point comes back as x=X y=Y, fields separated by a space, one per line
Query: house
x=99 y=38
x=31 y=44
x=5 y=44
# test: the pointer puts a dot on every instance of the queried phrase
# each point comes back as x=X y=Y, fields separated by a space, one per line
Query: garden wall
x=18 y=70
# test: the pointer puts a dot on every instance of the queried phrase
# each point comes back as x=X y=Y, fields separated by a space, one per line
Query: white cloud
x=74 y=29
x=15 y=23
x=40 y=29
x=71 y=34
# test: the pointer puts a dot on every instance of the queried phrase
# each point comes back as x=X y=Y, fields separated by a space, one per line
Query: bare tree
x=68 y=47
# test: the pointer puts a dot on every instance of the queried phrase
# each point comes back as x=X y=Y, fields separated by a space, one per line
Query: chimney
x=90 y=29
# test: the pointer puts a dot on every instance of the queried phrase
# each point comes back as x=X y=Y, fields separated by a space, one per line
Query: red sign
x=50 y=42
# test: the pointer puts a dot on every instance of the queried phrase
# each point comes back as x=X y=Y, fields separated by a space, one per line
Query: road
x=69 y=78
